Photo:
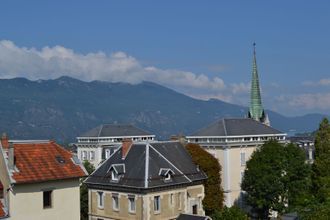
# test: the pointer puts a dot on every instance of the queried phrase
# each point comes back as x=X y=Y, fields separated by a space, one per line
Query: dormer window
x=114 y=175
x=166 y=173
x=116 y=170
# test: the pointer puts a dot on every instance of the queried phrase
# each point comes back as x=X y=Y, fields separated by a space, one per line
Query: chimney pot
x=4 y=141
x=11 y=156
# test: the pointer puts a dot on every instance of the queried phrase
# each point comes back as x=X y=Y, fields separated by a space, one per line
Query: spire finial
x=254 y=47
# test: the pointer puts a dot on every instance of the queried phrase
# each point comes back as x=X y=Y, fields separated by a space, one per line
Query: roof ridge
x=170 y=163
x=224 y=126
x=100 y=130
x=146 y=169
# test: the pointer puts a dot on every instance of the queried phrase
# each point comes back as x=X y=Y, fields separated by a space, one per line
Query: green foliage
x=276 y=178
x=315 y=211
x=213 y=192
x=84 y=192
x=229 y=214
x=321 y=171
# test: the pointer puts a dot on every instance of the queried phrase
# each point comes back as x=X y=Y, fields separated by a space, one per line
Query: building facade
x=99 y=143
x=154 y=180
x=40 y=180
x=232 y=142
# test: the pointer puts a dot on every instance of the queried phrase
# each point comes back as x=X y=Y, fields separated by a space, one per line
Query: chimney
x=4 y=141
x=126 y=146
x=11 y=156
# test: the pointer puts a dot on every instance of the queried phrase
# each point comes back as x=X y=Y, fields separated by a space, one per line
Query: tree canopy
x=84 y=192
x=276 y=178
x=213 y=192
x=321 y=165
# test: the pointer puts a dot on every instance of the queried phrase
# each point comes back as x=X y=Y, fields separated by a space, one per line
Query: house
x=40 y=180
x=146 y=180
x=99 y=143
x=232 y=142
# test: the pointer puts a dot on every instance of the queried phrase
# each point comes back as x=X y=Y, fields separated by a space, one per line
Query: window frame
x=100 y=199
x=131 y=200
x=157 y=204
x=115 y=202
x=50 y=199
x=243 y=158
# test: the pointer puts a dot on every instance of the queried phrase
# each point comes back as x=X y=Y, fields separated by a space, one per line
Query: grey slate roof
x=150 y=158
x=236 y=127
x=115 y=130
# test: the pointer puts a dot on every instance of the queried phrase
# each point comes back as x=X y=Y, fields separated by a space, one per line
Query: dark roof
x=192 y=217
x=236 y=127
x=150 y=158
x=115 y=130
x=38 y=162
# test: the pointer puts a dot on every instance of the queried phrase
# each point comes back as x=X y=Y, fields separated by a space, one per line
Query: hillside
x=65 y=107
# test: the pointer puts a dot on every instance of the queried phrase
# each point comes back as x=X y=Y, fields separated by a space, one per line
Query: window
x=47 y=199
x=243 y=159
x=83 y=155
x=100 y=203
x=241 y=176
x=131 y=204
x=179 y=200
x=194 y=210
x=91 y=155
x=107 y=153
x=171 y=199
x=157 y=203
x=115 y=202
x=114 y=175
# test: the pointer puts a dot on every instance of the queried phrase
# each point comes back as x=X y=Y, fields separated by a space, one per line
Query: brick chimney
x=126 y=146
x=4 y=141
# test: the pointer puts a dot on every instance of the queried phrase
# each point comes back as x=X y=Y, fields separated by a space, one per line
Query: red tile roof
x=36 y=162
x=2 y=211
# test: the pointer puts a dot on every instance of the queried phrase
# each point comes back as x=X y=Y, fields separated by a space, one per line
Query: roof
x=192 y=217
x=2 y=211
x=38 y=162
x=143 y=164
x=115 y=130
x=236 y=127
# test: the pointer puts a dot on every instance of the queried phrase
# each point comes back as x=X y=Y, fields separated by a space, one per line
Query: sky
x=200 y=48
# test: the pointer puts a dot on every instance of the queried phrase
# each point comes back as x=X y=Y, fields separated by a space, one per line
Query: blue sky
x=200 y=48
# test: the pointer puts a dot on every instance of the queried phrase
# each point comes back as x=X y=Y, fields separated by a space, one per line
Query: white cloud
x=307 y=101
x=52 y=62
x=321 y=82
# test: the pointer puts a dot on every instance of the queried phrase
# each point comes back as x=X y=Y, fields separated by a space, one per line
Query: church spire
x=256 y=111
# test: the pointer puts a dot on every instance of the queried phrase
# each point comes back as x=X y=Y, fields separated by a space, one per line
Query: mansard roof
x=236 y=127
x=115 y=130
x=143 y=164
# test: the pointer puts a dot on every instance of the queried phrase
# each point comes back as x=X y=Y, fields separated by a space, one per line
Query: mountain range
x=65 y=107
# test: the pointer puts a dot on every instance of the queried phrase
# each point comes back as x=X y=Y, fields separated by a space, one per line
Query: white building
x=232 y=142
x=99 y=143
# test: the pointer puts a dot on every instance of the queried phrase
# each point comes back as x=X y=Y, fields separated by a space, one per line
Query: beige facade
x=172 y=203
x=26 y=201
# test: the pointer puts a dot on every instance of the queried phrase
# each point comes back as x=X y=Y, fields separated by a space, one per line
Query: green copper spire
x=256 y=111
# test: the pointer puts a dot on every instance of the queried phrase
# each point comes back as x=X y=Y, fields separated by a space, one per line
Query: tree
x=213 y=192
x=321 y=171
x=84 y=192
x=233 y=212
x=276 y=178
